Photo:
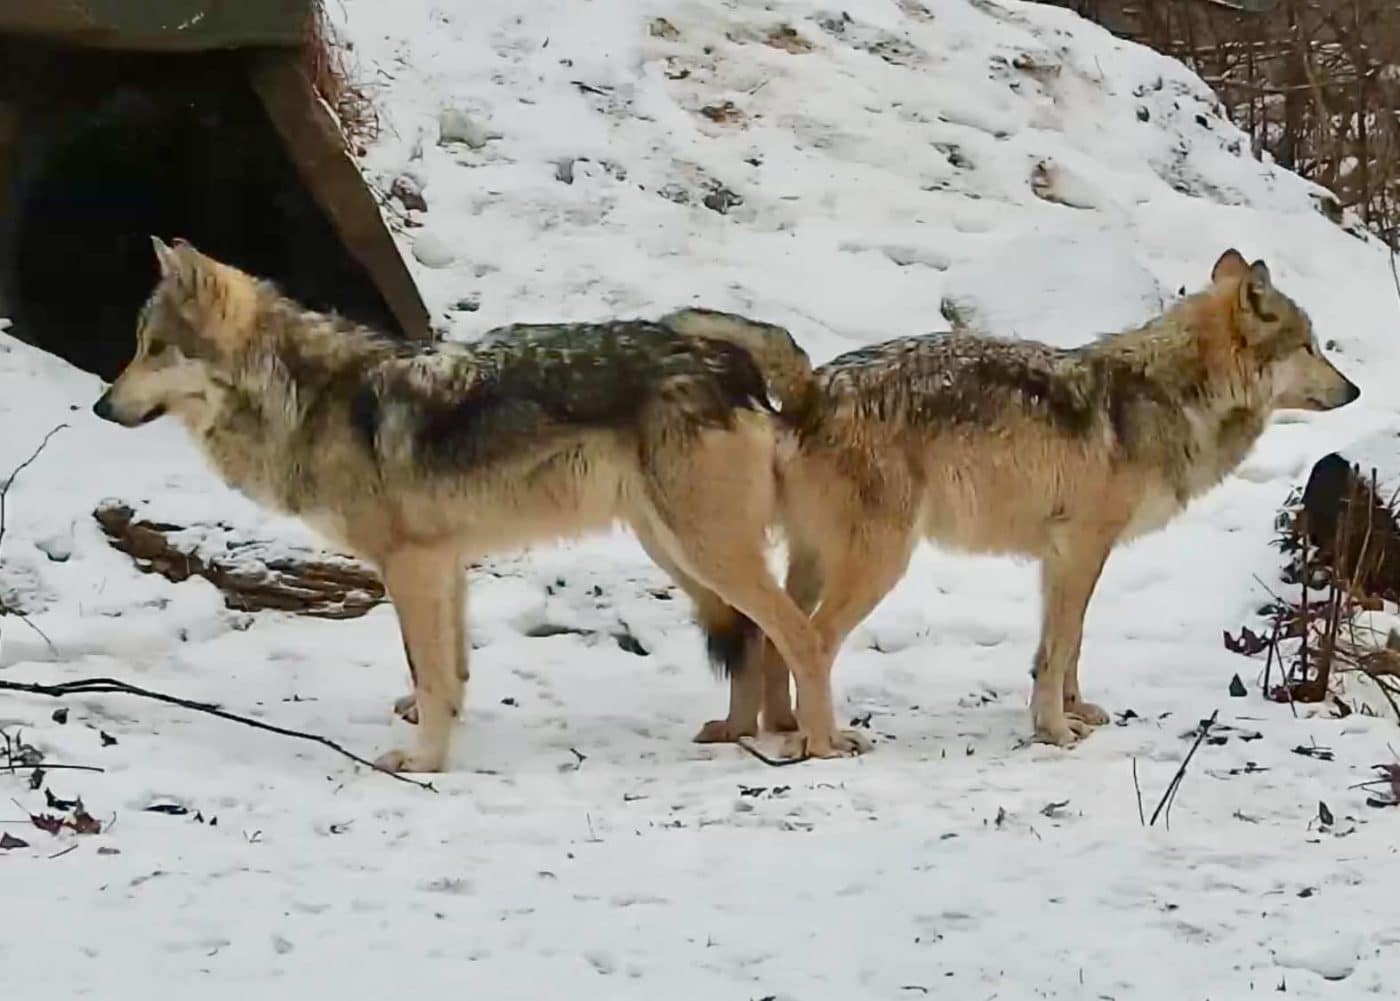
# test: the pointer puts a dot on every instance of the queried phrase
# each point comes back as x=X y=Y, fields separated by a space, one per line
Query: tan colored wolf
x=1007 y=447
x=420 y=457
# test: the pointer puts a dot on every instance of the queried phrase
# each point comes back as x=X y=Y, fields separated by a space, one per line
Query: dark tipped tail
x=730 y=636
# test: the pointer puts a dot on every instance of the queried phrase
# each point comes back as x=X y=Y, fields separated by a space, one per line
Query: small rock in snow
x=58 y=548
x=456 y=126
x=1332 y=958
x=432 y=250
x=409 y=191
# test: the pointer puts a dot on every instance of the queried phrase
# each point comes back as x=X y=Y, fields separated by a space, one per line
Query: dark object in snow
x=171 y=809
x=1237 y=689
x=8 y=841
x=626 y=641
x=721 y=199
x=1324 y=815
x=1327 y=498
x=64 y=805
x=250 y=581
x=60 y=716
x=409 y=193
x=1248 y=644
x=107 y=739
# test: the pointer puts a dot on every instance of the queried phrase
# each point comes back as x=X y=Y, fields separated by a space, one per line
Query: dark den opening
x=149 y=149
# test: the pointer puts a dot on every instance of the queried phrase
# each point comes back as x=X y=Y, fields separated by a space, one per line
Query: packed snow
x=856 y=173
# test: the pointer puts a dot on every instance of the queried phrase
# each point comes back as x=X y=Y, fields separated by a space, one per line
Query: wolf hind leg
x=1069 y=573
x=709 y=507
x=859 y=568
x=804 y=587
x=428 y=589
x=734 y=641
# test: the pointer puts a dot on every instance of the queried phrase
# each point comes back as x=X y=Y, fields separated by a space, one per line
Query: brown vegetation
x=1315 y=83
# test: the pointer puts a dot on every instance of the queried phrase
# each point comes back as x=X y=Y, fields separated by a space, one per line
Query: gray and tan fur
x=1014 y=447
x=419 y=458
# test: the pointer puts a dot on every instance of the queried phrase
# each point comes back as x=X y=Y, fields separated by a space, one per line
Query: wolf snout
x=103 y=407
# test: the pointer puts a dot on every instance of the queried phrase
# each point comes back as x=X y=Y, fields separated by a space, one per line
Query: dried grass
x=1318 y=642
x=328 y=65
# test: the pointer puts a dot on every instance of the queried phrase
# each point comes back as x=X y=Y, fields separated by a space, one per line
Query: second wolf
x=1017 y=448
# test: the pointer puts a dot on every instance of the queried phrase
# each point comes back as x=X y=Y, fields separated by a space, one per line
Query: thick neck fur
x=1195 y=355
x=286 y=363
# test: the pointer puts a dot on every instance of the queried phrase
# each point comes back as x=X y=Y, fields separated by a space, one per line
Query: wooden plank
x=159 y=25
x=313 y=138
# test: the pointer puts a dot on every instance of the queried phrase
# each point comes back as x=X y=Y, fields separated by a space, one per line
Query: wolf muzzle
x=103 y=408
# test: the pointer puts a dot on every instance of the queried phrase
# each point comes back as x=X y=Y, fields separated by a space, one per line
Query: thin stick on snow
x=1138 y=789
x=4 y=495
x=110 y=686
x=5 y=488
x=772 y=762
x=1170 y=794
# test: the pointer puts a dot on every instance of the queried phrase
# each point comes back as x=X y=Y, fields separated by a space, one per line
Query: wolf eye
x=156 y=347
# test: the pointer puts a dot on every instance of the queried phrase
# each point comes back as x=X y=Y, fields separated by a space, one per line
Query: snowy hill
x=854 y=172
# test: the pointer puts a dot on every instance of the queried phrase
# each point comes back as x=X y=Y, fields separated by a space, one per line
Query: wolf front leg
x=1068 y=576
x=428 y=589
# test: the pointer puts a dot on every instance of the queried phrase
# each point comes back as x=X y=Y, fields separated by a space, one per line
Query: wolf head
x=186 y=332
x=1273 y=338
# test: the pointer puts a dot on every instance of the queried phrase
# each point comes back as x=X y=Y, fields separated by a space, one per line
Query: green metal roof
x=159 y=25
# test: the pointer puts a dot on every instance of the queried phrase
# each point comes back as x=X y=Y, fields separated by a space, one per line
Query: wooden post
x=314 y=141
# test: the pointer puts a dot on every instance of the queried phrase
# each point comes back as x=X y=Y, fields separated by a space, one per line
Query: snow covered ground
x=872 y=167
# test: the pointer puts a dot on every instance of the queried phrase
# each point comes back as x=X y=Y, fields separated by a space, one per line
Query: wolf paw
x=1065 y=732
x=1086 y=712
x=721 y=731
x=409 y=761
x=406 y=708
x=843 y=744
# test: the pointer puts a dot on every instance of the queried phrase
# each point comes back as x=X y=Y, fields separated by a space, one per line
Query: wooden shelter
x=181 y=118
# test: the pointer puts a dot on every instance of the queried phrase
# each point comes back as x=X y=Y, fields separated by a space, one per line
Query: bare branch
x=111 y=686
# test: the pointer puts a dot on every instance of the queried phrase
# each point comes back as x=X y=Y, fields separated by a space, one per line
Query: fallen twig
x=5 y=487
x=111 y=686
x=4 y=496
x=1138 y=789
x=1170 y=794
x=772 y=762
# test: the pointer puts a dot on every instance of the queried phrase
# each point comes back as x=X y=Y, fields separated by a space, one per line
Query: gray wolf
x=418 y=458
x=1017 y=448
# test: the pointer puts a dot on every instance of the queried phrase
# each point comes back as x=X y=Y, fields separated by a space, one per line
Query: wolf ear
x=1255 y=289
x=165 y=257
x=1230 y=265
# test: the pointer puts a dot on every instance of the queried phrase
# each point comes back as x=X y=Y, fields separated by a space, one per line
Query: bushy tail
x=785 y=366
x=728 y=635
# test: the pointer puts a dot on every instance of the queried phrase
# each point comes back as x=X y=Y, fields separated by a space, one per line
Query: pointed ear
x=165 y=257
x=1255 y=289
x=1230 y=265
